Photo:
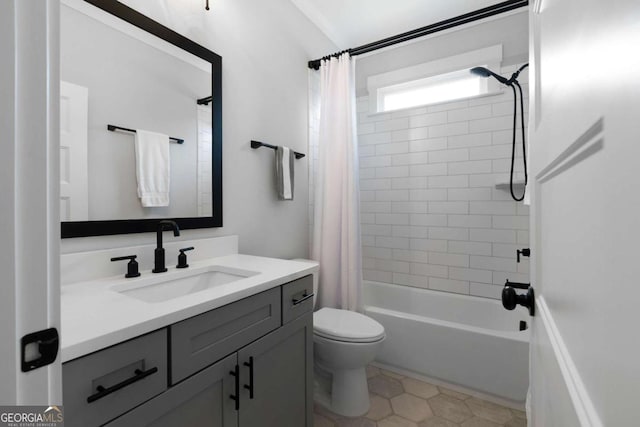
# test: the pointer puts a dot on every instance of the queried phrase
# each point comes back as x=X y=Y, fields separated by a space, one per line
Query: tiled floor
x=399 y=401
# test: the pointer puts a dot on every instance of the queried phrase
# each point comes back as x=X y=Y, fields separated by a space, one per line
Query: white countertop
x=94 y=316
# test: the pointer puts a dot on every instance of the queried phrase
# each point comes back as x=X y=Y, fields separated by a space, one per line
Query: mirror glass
x=116 y=79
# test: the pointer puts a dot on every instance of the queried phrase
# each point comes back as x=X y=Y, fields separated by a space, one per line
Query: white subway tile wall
x=430 y=213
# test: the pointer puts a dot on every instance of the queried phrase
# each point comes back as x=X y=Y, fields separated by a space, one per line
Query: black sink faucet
x=159 y=266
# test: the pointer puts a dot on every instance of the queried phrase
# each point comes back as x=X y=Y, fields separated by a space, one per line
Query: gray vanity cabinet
x=278 y=370
x=246 y=364
x=199 y=401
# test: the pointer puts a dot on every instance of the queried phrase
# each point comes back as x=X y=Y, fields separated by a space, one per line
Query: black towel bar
x=113 y=128
x=258 y=144
x=205 y=100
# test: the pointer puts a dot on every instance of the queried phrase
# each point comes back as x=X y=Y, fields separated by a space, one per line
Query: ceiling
x=351 y=23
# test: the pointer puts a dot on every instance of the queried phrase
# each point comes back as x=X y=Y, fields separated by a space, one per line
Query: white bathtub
x=468 y=341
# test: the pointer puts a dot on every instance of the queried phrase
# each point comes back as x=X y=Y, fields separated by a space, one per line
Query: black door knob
x=510 y=298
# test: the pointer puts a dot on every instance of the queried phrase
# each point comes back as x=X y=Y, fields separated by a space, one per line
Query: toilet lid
x=344 y=325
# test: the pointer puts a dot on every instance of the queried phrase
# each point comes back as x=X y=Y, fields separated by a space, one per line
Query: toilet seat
x=346 y=326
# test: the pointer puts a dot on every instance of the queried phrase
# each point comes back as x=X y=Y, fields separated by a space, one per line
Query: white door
x=585 y=212
x=74 y=193
x=29 y=212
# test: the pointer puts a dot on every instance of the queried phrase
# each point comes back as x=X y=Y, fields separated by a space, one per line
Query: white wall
x=431 y=215
x=510 y=30
x=265 y=47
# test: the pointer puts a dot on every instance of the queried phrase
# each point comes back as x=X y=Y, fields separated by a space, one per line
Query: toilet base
x=343 y=392
x=322 y=387
x=350 y=393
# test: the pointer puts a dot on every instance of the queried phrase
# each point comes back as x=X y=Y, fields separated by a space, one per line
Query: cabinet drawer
x=296 y=299
x=103 y=385
x=202 y=340
x=200 y=401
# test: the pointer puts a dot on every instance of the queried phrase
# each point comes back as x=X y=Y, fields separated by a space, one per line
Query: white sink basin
x=160 y=289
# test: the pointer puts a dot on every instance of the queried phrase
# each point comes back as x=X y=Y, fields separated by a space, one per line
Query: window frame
x=377 y=85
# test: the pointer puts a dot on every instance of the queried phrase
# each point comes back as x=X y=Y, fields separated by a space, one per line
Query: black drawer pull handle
x=102 y=392
x=236 y=373
x=249 y=387
x=301 y=300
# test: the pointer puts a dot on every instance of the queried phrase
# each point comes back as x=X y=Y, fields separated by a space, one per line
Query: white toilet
x=344 y=342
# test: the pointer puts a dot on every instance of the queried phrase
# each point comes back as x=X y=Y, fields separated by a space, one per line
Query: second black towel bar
x=113 y=128
x=258 y=144
x=205 y=101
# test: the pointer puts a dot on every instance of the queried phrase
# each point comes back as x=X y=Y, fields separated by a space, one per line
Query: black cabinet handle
x=305 y=297
x=102 y=392
x=249 y=387
x=236 y=373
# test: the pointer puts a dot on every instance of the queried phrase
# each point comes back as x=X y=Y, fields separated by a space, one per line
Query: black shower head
x=480 y=71
x=485 y=72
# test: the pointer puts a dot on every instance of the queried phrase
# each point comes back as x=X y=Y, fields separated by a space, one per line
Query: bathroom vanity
x=238 y=353
x=223 y=340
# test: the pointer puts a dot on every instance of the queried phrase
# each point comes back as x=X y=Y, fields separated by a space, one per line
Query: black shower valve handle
x=182 y=258
x=132 y=265
x=517 y=285
x=524 y=252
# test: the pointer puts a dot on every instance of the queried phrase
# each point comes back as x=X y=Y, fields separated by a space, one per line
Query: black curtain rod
x=476 y=15
x=113 y=128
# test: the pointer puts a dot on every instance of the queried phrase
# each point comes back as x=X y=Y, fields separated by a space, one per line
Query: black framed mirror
x=184 y=107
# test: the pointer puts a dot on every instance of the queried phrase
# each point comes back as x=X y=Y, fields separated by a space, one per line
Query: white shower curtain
x=335 y=236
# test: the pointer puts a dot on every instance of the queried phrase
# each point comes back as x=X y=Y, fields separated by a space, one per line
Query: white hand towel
x=152 y=168
x=284 y=172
